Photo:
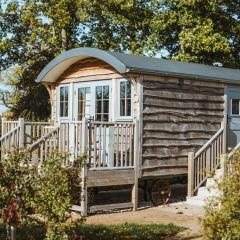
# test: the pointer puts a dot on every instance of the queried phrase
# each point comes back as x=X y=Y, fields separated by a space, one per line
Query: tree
x=222 y=218
x=198 y=31
x=118 y=25
x=34 y=32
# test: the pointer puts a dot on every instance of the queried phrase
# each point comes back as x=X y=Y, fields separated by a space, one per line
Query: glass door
x=93 y=100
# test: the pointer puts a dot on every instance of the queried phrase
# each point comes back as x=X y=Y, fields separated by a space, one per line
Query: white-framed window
x=235 y=106
x=84 y=102
x=102 y=103
x=125 y=99
x=64 y=101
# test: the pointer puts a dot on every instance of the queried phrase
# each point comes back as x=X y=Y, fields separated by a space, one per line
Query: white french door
x=93 y=100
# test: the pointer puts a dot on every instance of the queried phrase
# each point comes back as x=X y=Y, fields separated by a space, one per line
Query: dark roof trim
x=66 y=59
x=130 y=63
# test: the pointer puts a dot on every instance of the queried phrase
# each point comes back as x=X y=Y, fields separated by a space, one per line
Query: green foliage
x=46 y=191
x=222 y=220
x=31 y=36
x=57 y=178
x=16 y=186
x=198 y=31
x=74 y=231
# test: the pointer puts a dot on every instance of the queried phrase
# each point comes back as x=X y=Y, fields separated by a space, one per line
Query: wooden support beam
x=84 y=191
x=190 y=173
x=21 y=132
x=136 y=167
x=110 y=207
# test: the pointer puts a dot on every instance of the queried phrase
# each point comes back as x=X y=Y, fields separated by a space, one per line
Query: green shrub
x=16 y=187
x=46 y=191
x=222 y=220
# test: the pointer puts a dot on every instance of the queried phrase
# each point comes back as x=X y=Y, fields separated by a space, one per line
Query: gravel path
x=178 y=213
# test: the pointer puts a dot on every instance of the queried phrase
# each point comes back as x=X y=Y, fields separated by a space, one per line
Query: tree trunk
x=64 y=40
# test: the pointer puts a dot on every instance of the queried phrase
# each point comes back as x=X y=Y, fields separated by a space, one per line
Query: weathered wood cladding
x=179 y=116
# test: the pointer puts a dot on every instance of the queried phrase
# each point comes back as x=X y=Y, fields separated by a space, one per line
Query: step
x=211 y=182
x=203 y=192
x=218 y=174
x=196 y=201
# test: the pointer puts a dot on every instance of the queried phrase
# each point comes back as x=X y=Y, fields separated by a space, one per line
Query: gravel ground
x=177 y=212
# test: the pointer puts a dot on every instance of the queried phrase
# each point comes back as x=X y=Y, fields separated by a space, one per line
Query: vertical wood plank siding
x=179 y=116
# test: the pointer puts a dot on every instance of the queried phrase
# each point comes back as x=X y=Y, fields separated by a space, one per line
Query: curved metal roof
x=130 y=63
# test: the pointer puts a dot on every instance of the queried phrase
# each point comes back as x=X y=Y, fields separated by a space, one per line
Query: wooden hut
x=141 y=118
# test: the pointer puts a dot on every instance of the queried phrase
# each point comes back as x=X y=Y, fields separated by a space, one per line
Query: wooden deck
x=110 y=149
x=110 y=178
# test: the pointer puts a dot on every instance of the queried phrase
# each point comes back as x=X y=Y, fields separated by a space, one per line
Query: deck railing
x=107 y=144
x=111 y=145
x=31 y=130
x=205 y=161
x=44 y=146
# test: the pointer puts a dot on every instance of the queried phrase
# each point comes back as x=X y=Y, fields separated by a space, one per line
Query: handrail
x=43 y=138
x=206 y=159
x=9 y=133
x=234 y=150
x=209 y=142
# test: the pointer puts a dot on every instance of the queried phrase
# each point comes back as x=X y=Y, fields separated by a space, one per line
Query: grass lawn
x=85 y=231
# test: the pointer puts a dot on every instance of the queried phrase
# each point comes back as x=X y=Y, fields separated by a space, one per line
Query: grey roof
x=131 y=63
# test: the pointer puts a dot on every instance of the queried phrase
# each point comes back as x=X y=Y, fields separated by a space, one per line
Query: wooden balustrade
x=111 y=145
x=33 y=131
x=45 y=146
x=14 y=138
x=205 y=161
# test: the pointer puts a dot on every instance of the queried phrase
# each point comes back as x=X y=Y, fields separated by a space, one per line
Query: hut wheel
x=160 y=192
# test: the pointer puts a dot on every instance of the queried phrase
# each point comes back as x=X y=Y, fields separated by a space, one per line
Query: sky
x=2 y=107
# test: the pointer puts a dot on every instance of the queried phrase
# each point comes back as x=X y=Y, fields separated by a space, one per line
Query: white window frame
x=124 y=118
x=235 y=115
x=58 y=102
x=93 y=85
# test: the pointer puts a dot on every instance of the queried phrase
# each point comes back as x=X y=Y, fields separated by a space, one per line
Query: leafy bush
x=222 y=220
x=16 y=187
x=46 y=191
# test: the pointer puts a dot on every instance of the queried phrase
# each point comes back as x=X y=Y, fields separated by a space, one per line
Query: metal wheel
x=160 y=192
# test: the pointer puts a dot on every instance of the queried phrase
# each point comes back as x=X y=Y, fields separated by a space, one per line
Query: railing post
x=190 y=173
x=222 y=162
x=21 y=133
x=111 y=145
x=3 y=127
x=84 y=192
x=72 y=142
x=224 y=143
x=136 y=167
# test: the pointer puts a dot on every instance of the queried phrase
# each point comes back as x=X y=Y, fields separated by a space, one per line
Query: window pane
x=65 y=114
x=122 y=89
x=66 y=93
x=98 y=107
x=122 y=107
x=105 y=117
x=61 y=109
x=64 y=101
x=128 y=89
x=98 y=93
x=128 y=105
x=105 y=92
x=105 y=106
x=98 y=117
x=62 y=93
x=235 y=106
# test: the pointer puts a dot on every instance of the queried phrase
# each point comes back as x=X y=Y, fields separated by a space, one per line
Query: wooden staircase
x=204 y=167
x=207 y=167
